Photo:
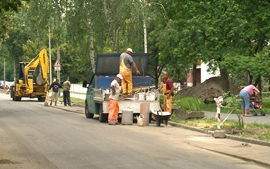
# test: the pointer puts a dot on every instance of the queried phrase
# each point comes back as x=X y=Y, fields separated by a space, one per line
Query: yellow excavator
x=32 y=79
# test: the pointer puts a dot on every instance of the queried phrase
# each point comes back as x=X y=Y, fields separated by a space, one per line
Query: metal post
x=218 y=101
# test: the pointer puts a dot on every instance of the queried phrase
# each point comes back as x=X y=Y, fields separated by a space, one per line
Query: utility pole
x=4 y=73
x=144 y=29
x=50 y=55
x=14 y=70
x=58 y=58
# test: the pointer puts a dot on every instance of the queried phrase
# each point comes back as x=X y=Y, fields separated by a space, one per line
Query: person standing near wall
x=66 y=92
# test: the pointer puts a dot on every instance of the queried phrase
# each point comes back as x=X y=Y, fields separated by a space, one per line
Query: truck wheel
x=150 y=117
x=15 y=98
x=87 y=113
x=158 y=122
x=102 y=117
x=41 y=99
x=12 y=91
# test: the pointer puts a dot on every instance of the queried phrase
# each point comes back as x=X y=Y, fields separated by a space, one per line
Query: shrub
x=189 y=104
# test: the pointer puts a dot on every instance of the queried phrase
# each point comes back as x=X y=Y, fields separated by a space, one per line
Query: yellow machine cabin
x=32 y=78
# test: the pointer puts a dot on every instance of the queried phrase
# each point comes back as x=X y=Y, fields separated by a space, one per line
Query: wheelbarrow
x=161 y=116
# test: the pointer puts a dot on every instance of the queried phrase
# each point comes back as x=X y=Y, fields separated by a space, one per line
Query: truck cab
x=98 y=87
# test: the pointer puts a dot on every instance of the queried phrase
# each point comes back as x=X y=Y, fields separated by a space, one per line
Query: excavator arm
x=36 y=71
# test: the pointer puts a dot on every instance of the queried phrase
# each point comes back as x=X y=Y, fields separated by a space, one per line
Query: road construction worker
x=126 y=61
x=168 y=89
x=114 y=96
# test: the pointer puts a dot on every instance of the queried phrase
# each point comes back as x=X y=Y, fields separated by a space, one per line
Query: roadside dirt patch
x=6 y=161
x=207 y=90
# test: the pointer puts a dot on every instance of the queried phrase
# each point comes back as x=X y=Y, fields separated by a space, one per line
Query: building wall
x=206 y=75
x=202 y=74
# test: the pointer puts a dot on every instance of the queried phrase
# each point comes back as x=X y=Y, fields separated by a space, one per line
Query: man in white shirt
x=114 y=96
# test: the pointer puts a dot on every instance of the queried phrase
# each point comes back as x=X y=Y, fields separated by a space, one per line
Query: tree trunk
x=92 y=54
x=224 y=80
x=158 y=71
x=260 y=87
x=115 y=49
x=194 y=75
x=249 y=78
x=145 y=36
x=258 y=83
x=110 y=27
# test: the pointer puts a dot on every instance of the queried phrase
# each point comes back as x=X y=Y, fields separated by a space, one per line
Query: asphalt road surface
x=33 y=136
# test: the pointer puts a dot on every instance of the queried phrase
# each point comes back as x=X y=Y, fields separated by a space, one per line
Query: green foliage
x=189 y=104
x=230 y=35
x=232 y=101
x=212 y=107
x=161 y=98
x=7 y=12
x=264 y=136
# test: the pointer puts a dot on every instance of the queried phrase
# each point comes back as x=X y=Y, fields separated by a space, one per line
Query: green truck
x=107 y=67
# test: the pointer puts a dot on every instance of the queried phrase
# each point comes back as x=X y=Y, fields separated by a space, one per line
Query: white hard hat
x=119 y=76
x=129 y=49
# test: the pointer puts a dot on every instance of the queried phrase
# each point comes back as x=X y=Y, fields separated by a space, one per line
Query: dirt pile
x=207 y=90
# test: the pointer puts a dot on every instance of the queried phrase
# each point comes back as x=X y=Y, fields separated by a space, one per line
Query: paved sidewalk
x=253 y=119
x=246 y=151
x=239 y=149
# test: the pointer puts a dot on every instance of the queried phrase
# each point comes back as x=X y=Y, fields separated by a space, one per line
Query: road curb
x=234 y=155
x=69 y=110
x=253 y=141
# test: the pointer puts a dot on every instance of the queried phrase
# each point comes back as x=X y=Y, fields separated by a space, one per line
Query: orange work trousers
x=113 y=112
x=127 y=85
x=167 y=104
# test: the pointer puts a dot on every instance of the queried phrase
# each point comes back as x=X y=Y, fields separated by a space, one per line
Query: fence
x=77 y=88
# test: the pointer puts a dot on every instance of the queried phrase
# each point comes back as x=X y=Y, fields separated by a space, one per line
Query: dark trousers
x=66 y=95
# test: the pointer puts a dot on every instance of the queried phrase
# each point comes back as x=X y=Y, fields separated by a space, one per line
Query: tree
x=7 y=9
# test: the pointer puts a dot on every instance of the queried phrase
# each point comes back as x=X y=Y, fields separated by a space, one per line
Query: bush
x=189 y=104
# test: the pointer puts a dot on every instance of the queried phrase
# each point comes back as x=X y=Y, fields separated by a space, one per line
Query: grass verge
x=76 y=101
x=254 y=130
